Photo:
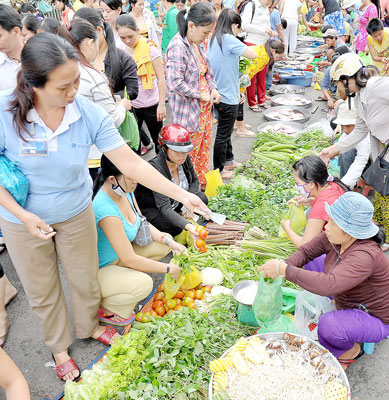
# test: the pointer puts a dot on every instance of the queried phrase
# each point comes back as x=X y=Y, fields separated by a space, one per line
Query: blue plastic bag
x=12 y=179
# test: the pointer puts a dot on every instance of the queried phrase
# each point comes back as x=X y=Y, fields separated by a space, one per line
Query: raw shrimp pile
x=291 y=368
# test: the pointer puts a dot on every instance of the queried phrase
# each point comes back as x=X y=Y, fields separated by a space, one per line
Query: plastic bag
x=267 y=305
x=12 y=179
x=192 y=278
x=296 y=215
x=214 y=180
x=129 y=130
x=44 y=7
x=309 y=307
x=171 y=287
x=244 y=81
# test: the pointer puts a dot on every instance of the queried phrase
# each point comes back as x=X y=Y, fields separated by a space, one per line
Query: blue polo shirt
x=54 y=163
x=225 y=66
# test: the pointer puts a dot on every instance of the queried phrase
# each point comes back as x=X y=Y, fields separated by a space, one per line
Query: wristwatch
x=167 y=268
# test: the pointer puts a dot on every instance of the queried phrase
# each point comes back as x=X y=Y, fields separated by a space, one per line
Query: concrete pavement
x=367 y=377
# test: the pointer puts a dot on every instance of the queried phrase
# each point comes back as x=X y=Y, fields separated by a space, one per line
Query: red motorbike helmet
x=175 y=137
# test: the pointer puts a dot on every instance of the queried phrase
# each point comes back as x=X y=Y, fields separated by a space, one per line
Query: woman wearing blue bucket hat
x=356 y=275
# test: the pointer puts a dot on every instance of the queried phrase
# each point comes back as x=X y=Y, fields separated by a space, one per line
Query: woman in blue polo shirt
x=224 y=52
x=48 y=130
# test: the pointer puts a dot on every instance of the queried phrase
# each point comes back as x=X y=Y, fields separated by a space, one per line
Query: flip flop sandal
x=348 y=362
x=107 y=335
x=321 y=99
x=255 y=109
x=65 y=368
x=108 y=319
x=248 y=134
x=264 y=106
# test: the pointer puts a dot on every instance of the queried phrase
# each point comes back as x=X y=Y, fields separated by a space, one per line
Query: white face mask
x=302 y=191
x=118 y=189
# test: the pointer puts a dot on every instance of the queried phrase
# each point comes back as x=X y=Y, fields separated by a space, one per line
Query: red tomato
x=171 y=303
x=161 y=311
x=139 y=316
x=200 y=243
x=187 y=301
x=203 y=234
x=199 y=228
x=156 y=304
x=199 y=294
x=190 y=293
x=179 y=295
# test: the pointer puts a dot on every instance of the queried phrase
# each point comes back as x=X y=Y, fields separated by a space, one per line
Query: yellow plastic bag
x=297 y=218
x=192 y=277
x=317 y=86
x=182 y=238
x=171 y=287
x=214 y=180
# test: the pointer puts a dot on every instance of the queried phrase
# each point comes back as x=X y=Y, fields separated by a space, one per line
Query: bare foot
x=10 y=291
x=101 y=330
x=61 y=358
x=4 y=326
x=245 y=133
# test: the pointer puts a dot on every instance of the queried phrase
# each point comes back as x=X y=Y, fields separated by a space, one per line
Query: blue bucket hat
x=353 y=213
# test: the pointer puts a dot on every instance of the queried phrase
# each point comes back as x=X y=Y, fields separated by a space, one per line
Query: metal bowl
x=276 y=100
x=274 y=336
x=242 y=292
x=302 y=110
x=297 y=126
x=308 y=50
x=287 y=89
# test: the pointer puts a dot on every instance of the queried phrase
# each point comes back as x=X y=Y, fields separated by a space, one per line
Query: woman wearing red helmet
x=173 y=163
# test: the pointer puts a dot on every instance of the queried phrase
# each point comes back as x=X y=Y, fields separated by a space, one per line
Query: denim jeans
x=345 y=161
x=222 y=150
x=269 y=78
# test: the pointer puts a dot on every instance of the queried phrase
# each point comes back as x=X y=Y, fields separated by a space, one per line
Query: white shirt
x=360 y=161
x=291 y=8
x=256 y=28
x=8 y=72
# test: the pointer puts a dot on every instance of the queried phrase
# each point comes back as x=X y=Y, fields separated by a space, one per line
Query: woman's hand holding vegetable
x=161 y=112
x=37 y=227
x=273 y=268
x=286 y=225
x=175 y=271
x=192 y=230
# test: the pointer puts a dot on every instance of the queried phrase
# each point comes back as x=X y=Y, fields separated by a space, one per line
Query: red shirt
x=329 y=195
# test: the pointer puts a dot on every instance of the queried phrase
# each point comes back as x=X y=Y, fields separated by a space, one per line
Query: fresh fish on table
x=281 y=128
x=294 y=101
x=283 y=115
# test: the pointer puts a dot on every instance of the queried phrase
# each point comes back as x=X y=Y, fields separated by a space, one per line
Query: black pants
x=240 y=112
x=1 y=271
x=149 y=116
x=222 y=150
x=161 y=223
x=345 y=160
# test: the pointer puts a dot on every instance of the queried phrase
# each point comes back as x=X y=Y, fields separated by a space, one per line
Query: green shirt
x=169 y=27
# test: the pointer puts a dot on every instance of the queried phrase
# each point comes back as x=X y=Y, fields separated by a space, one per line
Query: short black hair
x=26 y=8
x=9 y=18
x=374 y=26
x=325 y=28
x=284 y=23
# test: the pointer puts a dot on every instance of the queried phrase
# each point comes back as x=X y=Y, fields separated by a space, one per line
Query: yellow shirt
x=260 y=62
x=381 y=49
x=77 y=5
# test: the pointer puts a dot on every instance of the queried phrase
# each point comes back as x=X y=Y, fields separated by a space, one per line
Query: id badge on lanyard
x=34 y=146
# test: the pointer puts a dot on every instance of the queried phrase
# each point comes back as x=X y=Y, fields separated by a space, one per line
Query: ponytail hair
x=41 y=55
x=96 y=19
x=226 y=19
x=276 y=45
x=75 y=32
x=313 y=169
x=106 y=170
x=201 y=14
x=364 y=74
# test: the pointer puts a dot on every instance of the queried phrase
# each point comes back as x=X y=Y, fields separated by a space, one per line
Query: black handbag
x=377 y=175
